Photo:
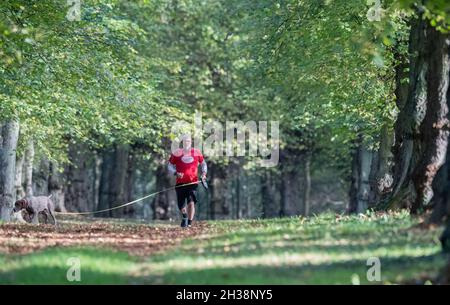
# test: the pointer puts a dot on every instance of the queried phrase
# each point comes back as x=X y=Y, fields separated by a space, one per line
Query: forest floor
x=327 y=249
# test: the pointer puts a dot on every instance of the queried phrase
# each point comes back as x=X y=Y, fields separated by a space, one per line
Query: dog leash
x=134 y=201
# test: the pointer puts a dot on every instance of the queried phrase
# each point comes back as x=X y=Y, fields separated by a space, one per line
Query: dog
x=35 y=206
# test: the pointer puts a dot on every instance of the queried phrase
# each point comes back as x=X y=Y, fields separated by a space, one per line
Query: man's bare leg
x=184 y=210
x=191 y=211
x=184 y=214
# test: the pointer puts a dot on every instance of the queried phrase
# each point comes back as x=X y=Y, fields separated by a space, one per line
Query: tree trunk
x=354 y=182
x=9 y=134
x=219 y=207
x=444 y=277
x=130 y=210
x=212 y=194
x=20 y=192
x=360 y=185
x=270 y=207
x=29 y=161
x=441 y=200
x=374 y=194
x=96 y=183
x=441 y=187
x=434 y=128
x=247 y=196
x=113 y=180
x=79 y=179
x=290 y=184
x=397 y=147
x=146 y=178
x=307 y=184
x=412 y=112
x=105 y=187
x=381 y=178
x=365 y=161
x=118 y=180
x=238 y=194
x=56 y=187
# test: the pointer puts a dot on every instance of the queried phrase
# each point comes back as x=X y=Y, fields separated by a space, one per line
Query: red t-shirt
x=187 y=163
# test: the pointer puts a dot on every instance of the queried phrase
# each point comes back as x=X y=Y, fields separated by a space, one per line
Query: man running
x=183 y=163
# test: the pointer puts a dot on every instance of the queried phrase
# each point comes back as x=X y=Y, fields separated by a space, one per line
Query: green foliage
x=436 y=11
x=128 y=69
x=82 y=80
x=323 y=70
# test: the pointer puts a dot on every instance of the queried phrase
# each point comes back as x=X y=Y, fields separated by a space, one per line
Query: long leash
x=129 y=203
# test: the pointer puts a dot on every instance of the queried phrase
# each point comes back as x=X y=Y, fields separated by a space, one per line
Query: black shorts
x=186 y=194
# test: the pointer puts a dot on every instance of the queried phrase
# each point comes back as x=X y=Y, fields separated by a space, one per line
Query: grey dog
x=35 y=205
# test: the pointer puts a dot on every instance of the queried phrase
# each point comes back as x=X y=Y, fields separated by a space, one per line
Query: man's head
x=186 y=141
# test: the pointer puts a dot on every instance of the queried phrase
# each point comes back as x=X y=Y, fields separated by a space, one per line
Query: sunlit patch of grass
x=52 y=265
x=325 y=249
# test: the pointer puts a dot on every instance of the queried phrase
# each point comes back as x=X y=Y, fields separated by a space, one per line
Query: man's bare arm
x=204 y=168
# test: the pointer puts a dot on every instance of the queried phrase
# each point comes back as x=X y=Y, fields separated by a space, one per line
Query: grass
x=318 y=250
x=52 y=265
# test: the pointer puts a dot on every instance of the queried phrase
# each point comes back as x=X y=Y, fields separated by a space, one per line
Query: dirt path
x=135 y=239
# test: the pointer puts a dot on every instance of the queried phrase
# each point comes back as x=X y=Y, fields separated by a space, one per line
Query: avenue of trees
x=87 y=105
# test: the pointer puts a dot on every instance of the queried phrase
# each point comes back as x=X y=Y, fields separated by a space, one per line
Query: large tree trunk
x=434 y=128
x=9 y=134
x=407 y=146
x=441 y=188
x=422 y=126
